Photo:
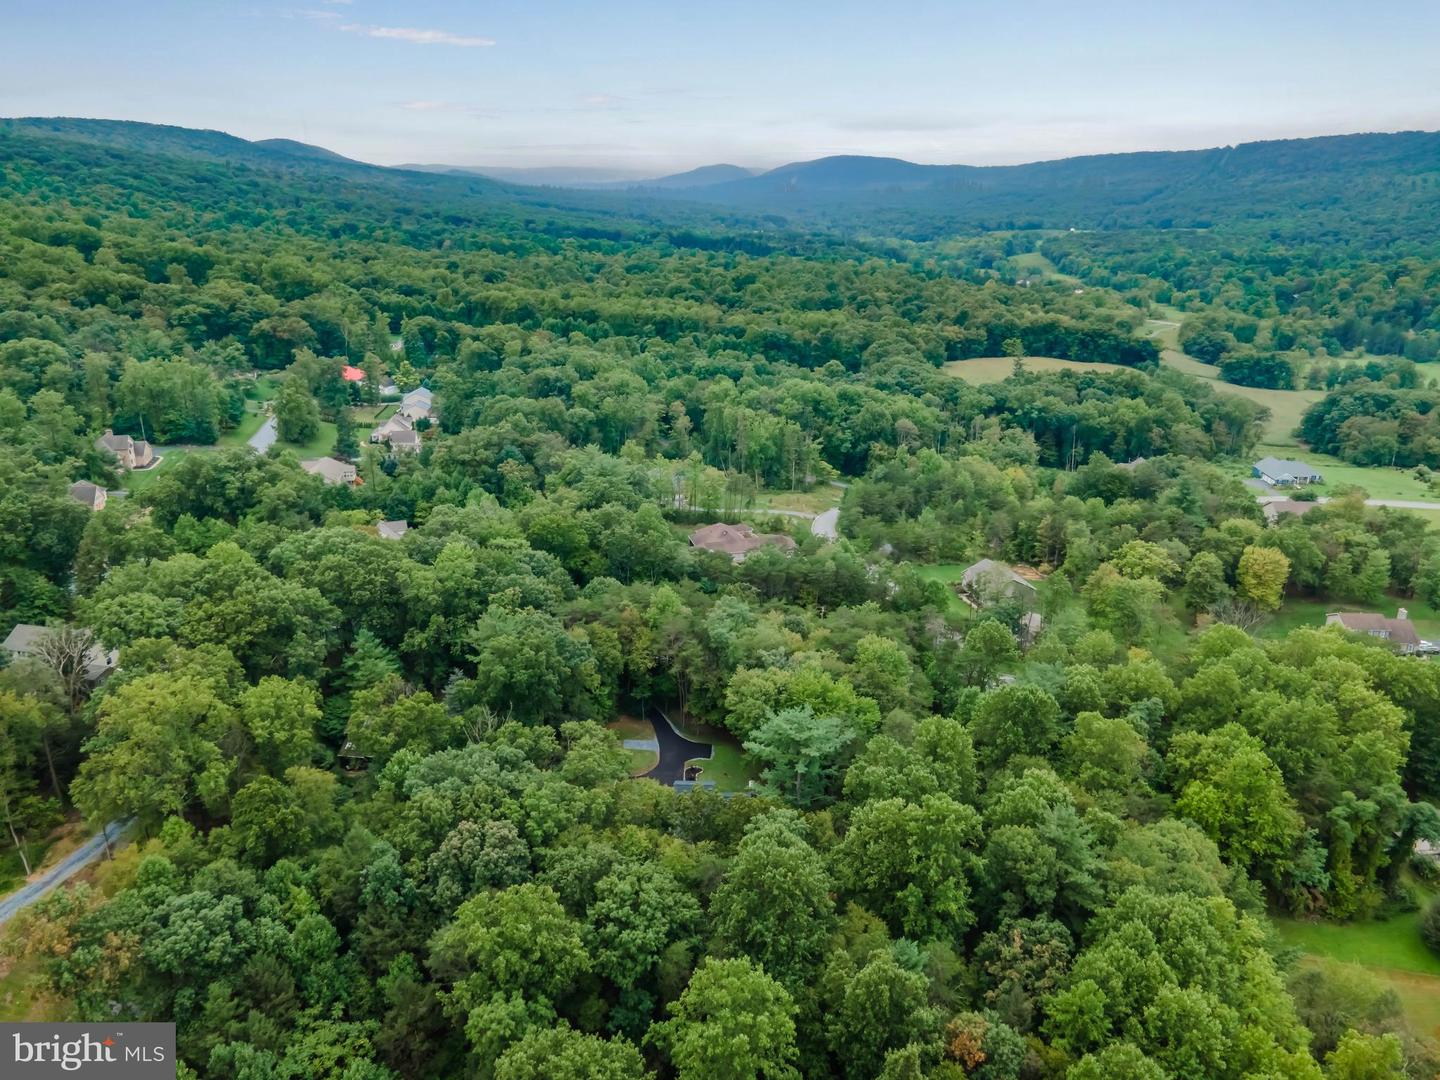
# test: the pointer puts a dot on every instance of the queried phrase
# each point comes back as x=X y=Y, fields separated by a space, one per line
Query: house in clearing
x=88 y=494
x=392 y=530
x=26 y=639
x=350 y=373
x=1273 y=510
x=129 y=453
x=330 y=470
x=737 y=541
x=989 y=581
x=1284 y=472
x=1399 y=631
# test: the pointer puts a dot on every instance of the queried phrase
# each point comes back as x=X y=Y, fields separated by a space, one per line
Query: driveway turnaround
x=675 y=750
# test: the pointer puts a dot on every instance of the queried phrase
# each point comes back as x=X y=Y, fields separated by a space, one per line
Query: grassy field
x=947 y=574
x=1286 y=406
x=1391 y=950
x=993 y=369
x=632 y=727
x=1295 y=614
x=818 y=499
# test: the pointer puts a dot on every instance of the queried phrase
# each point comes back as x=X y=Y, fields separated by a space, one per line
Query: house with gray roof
x=989 y=580
x=392 y=530
x=25 y=640
x=88 y=495
x=330 y=470
x=1285 y=472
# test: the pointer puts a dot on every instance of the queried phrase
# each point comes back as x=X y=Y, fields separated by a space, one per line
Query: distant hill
x=541 y=176
x=1379 y=186
x=300 y=149
x=705 y=176
x=1192 y=188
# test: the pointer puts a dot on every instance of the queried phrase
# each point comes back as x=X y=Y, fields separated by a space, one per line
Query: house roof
x=115 y=443
x=1272 y=466
x=404 y=438
x=419 y=396
x=24 y=637
x=85 y=492
x=392 y=530
x=352 y=374
x=1401 y=631
x=1274 y=509
x=329 y=470
x=990 y=568
x=1132 y=464
x=737 y=539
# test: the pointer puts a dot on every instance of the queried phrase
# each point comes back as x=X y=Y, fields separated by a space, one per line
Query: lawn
x=322 y=445
x=947 y=574
x=1286 y=406
x=727 y=765
x=249 y=424
x=170 y=456
x=370 y=415
x=1297 y=613
x=1391 y=950
x=992 y=369
x=632 y=727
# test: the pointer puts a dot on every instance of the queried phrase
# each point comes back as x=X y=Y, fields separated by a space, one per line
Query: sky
x=649 y=87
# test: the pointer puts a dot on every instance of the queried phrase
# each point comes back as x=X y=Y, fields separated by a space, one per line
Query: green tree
x=733 y=1022
x=800 y=753
x=297 y=417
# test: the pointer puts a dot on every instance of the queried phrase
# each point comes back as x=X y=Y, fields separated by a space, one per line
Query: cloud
x=601 y=101
x=418 y=37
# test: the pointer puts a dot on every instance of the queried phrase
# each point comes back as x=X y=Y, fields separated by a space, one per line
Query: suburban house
x=330 y=470
x=392 y=530
x=737 y=541
x=392 y=426
x=88 y=494
x=130 y=453
x=389 y=390
x=1399 y=631
x=417 y=404
x=350 y=373
x=23 y=643
x=1273 y=510
x=1132 y=464
x=1282 y=472
x=988 y=581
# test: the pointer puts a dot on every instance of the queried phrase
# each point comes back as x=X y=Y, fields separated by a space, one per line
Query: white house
x=418 y=404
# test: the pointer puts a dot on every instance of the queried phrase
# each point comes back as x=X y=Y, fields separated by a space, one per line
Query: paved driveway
x=675 y=750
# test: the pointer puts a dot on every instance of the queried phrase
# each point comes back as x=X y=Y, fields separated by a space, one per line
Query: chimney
x=1402 y=614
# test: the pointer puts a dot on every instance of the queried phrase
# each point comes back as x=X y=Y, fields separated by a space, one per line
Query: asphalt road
x=1395 y=504
x=14 y=903
x=262 y=439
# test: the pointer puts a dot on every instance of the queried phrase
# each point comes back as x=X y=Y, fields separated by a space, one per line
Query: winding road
x=17 y=901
